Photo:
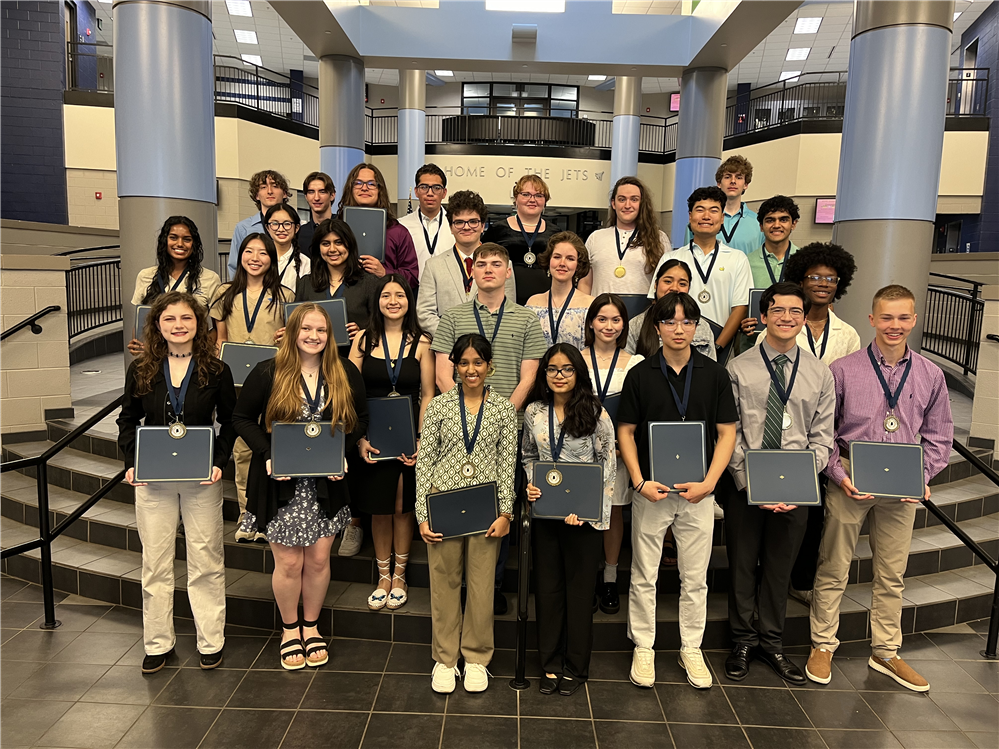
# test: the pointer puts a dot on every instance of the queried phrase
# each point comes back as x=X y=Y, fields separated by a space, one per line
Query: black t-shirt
x=532 y=279
x=646 y=397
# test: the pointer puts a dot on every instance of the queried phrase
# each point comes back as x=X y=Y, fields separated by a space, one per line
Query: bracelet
x=507 y=515
x=639 y=487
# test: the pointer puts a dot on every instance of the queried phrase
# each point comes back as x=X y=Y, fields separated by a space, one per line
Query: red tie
x=468 y=267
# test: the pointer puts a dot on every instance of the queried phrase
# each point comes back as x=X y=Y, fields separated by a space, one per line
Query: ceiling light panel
x=785 y=76
x=445 y=73
x=527 y=6
x=596 y=78
x=807 y=25
x=245 y=37
x=239 y=8
x=798 y=53
x=252 y=59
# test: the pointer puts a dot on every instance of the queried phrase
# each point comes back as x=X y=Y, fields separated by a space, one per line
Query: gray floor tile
x=169 y=728
x=91 y=726
x=909 y=711
x=970 y=712
x=24 y=721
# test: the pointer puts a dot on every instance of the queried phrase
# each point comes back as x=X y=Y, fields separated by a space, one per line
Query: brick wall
x=985 y=413
x=84 y=207
x=31 y=132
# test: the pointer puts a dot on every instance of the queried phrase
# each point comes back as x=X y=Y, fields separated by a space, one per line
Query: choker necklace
x=181 y=356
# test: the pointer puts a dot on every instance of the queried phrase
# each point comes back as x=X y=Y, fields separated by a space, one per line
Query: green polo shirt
x=519 y=337
x=761 y=279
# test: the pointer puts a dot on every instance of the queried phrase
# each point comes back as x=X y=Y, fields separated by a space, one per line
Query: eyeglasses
x=370 y=184
x=529 y=195
x=472 y=223
x=834 y=280
x=671 y=324
x=424 y=189
x=564 y=372
x=781 y=311
x=280 y=225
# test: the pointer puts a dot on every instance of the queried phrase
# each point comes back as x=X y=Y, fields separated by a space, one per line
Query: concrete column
x=700 y=132
x=893 y=131
x=341 y=116
x=164 y=122
x=412 y=128
x=627 y=127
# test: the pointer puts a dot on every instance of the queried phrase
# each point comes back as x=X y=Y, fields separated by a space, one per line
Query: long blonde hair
x=285 y=403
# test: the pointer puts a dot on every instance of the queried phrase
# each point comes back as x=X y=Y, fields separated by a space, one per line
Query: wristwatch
x=507 y=515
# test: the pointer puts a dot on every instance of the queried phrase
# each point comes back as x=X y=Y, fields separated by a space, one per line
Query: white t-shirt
x=728 y=284
x=416 y=222
x=602 y=248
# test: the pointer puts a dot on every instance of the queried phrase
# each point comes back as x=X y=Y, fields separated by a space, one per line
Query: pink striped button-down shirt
x=923 y=409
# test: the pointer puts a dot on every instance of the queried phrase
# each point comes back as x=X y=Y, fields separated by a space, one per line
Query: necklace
x=181 y=356
x=310 y=374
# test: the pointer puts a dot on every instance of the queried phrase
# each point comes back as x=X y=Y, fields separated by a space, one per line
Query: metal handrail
x=976 y=284
x=67 y=253
x=35 y=327
x=47 y=535
x=519 y=680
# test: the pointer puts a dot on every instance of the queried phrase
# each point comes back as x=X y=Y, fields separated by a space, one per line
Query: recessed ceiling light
x=448 y=73
x=798 y=53
x=245 y=37
x=252 y=59
x=787 y=75
x=957 y=14
x=239 y=8
x=596 y=78
x=527 y=6
x=807 y=25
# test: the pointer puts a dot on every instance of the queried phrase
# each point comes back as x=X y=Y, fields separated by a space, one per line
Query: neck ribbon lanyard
x=711 y=266
x=313 y=401
x=465 y=275
x=251 y=321
x=784 y=393
x=178 y=396
x=729 y=234
x=783 y=265
x=470 y=441
x=499 y=319
x=164 y=283
x=529 y=238
x=627 y=245
x=681 y=404
x=556 y=446
x=825 y=339
x=891 y=397
x=338 y=294
x=556 y=324
x=431 y=246
x=291 y=259
x=602 y=389
x=393 y=370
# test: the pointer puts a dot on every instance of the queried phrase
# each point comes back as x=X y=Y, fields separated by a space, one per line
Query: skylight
x=807 y=25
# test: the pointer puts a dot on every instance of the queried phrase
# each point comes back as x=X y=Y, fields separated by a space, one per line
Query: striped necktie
x=775 y=409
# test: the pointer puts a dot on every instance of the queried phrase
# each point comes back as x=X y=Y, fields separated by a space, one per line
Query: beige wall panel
x=89 y=137
x=962 y=167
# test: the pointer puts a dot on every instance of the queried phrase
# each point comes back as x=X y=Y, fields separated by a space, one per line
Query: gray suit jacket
x=442 y=287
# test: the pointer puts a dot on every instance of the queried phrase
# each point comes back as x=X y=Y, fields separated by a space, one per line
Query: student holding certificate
x=394 y=358
x=663 y=388
x=306 y=382
x=469 y=438
x=250 y=309
x=565 y=422
x=562 y=309
x=606 y=331
x=179 y=255
x=786 y=401
x=177 y=381
x=885 y=392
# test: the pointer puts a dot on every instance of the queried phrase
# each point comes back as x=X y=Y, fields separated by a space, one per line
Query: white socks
x=610 y=572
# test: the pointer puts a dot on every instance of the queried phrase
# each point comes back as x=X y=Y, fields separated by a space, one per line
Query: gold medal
x=891 y=423
x=704 y=297
x=468 y=470
x=786 y=422
x=553 y=477
x=178 y=431
x=620 y=271
x=312 y=429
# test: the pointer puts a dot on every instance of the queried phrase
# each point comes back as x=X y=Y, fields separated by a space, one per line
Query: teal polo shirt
x=761 y=279
x=740 y=231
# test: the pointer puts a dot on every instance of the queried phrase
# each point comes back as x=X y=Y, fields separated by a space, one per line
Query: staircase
x=99 y=557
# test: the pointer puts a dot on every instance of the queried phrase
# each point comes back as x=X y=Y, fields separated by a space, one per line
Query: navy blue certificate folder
x=611 y=405
x=569 y=489
x=390 y=427
x=368 y=225
x=336 y=309
x=787 y=476
x=141 y=313
x=243 y=357
x=755 y=295
x=463 y=512
x=161 y=457
x=676 y=452
x=887 y=470
x=636 y=304
x=298 y=451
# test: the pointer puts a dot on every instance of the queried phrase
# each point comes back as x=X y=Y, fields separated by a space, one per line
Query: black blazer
x=359 y=296
x=202 y=407
x=264 y=495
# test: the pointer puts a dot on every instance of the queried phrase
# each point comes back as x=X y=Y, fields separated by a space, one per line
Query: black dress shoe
x=211 y=660
x=548 y=684
x=499 y=603
x=153 y=663
x=567 y=686
x=737 y=663
x=782 y=665
x=610 y=603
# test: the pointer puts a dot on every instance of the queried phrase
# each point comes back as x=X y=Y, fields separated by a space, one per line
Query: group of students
x=524 y=332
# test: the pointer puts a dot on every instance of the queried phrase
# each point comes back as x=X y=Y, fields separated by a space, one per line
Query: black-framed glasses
x=529 y=195
x=563 y=372
x=472 y=223
x=370 y=184
x=834 y=280
x=435 y=189
x=275 y=225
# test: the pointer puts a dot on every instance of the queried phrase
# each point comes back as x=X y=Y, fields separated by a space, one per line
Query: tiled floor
x=80 y=686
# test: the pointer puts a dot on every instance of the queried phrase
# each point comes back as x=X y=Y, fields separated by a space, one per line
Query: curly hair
x=778 y=204
x=259 y=180
x=582 y=256
x=582 y=411
x=539 y=185
x=164 y=263
x=735 y=165
x=150 y=362
x=821 y=253
x=647 y=226
x=466 y=201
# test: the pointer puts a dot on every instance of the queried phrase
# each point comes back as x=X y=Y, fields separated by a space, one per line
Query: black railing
x=93 y=295
x=257 y=87
x=519 y=680
x=953 y=321
x=30 y=321
x=47 y=534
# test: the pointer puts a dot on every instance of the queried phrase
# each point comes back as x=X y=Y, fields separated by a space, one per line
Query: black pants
x=770 y=540
x=803 y=572
x=566 y=560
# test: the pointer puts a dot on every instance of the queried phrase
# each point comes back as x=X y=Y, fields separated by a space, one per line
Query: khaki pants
x=157 y=511
x=241 y=454
x=473 y=634
x=890 y=535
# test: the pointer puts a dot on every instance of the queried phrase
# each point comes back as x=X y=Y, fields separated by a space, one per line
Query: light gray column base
x=139 y=222
x=887 y=251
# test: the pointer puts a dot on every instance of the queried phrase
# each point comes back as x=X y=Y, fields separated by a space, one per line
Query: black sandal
x=292 y=648
x=314 y=645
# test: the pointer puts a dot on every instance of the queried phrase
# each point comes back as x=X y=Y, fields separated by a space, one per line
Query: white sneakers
x=351 y=543
x=643 y=668
x=444 y=678
x=697 y=670
x=476 y=677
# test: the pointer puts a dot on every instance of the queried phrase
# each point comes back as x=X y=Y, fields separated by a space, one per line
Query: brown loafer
x=901 y=672
x=819 y=666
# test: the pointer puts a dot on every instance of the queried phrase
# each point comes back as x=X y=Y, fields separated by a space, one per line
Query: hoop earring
x=490 y=370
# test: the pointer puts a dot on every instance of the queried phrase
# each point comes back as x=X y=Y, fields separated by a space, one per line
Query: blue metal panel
x=624 y=146
x=691 y=173
x=337 y=161
x=412 y=147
